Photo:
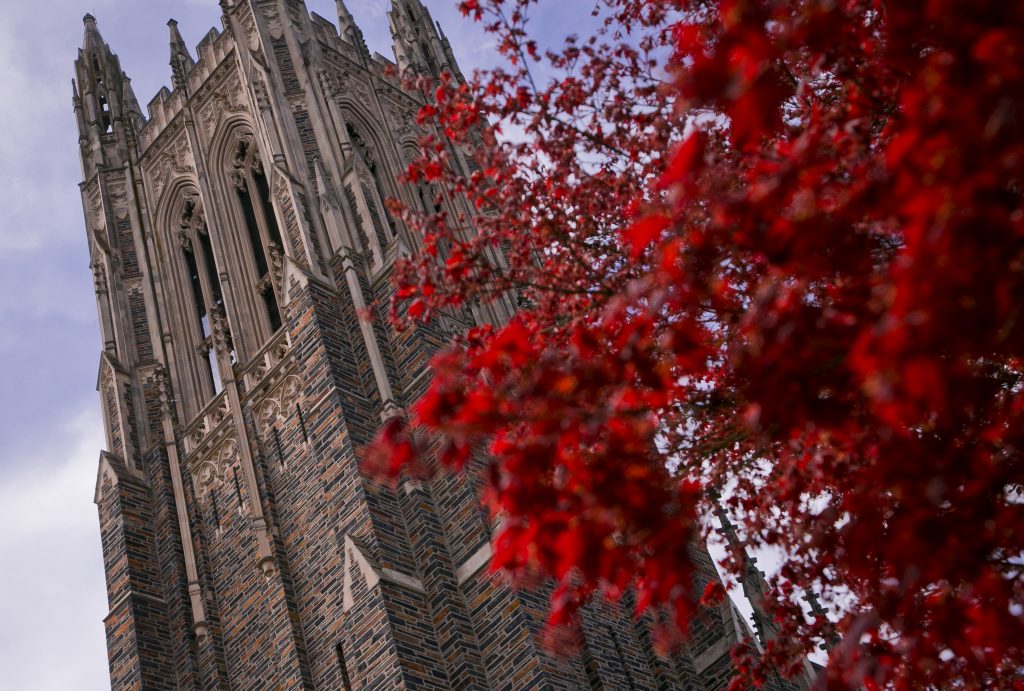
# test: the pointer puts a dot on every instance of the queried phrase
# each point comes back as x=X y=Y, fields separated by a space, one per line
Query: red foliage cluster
x=769 y=250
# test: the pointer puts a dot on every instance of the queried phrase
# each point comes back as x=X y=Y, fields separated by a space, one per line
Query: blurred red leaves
x=775 y=246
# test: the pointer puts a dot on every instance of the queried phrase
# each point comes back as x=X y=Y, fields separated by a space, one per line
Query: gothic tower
x=237 y=234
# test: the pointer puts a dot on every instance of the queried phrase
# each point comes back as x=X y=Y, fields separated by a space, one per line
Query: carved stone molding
x=277 y=406
x=213 y=470
x=220 y=334
x=117 y=193
x=276 y=256
x=259 y=87
x=273 y=20
x=198 y=432
x=175 y=160
x=226 y=98
x=99 y=277
x=163 y=389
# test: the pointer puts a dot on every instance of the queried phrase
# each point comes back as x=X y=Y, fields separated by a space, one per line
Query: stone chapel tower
x=237 y=232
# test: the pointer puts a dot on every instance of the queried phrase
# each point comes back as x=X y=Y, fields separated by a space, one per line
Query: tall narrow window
x=251 y=225
x=211 y=268
x=268 y=207
x=203 y=280
x=369 y=158
x=431 y=63
x=260 y=226
x=105 y=120
x=202 y=316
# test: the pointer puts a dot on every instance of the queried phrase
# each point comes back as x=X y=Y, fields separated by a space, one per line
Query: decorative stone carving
x=403 y=119
x=328 y=84
x=266 y=364
x=268 y=416
x=97 y=214
x=259 y=87
x=163 y=389
x=290 y=392
x=276 y=257
x=173 y=161
x=276 y=407
x=353 y=88
x=238 y=179
x=273 y=20
x=220 y=335
x=281 y=192
x=218 y=414
x=248 y=23
x=214 y=469
x=188 y=210
x=242 y=145
x=117 y=193
x=99 y=277
x=226 y=98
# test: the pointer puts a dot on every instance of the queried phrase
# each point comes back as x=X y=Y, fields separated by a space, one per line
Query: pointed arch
x=194 y=285
x=368 y=127
x=373 y=171
x=251 y=229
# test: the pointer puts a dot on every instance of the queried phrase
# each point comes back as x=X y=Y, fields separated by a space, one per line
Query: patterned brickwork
x=244 y=546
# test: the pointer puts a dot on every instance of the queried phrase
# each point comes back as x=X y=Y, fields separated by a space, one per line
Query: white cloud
x=54 y=596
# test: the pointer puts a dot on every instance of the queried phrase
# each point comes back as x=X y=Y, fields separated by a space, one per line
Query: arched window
x=104 y=115
x=261 y=227
x=204 y=282
x=429 y=55
x=369 y=157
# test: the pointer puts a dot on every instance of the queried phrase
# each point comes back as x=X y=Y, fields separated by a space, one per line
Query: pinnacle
x=93 y=40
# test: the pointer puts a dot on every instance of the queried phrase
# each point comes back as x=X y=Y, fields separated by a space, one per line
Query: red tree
x=767 y=250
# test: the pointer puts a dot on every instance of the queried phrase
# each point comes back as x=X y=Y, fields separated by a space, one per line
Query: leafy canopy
x=766 y=250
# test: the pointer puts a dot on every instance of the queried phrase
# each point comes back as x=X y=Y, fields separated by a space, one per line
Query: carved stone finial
x=262 y=95
x=241 y=151
x=185 y=240
x=99 y=277
x=188 y=211
x=276 y=256
x=163 y=388
x=181 y=59
x=219 y=331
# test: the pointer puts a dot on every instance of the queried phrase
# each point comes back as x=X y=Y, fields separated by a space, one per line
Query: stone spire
x=181 y=59
x=417 y=42
x=93 y=42
x=104 y=102
x=349 y=30
x=345 y=21
x=753 y=581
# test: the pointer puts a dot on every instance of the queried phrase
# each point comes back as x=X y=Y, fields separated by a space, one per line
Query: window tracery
x=264 y=235
x=203 y=279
